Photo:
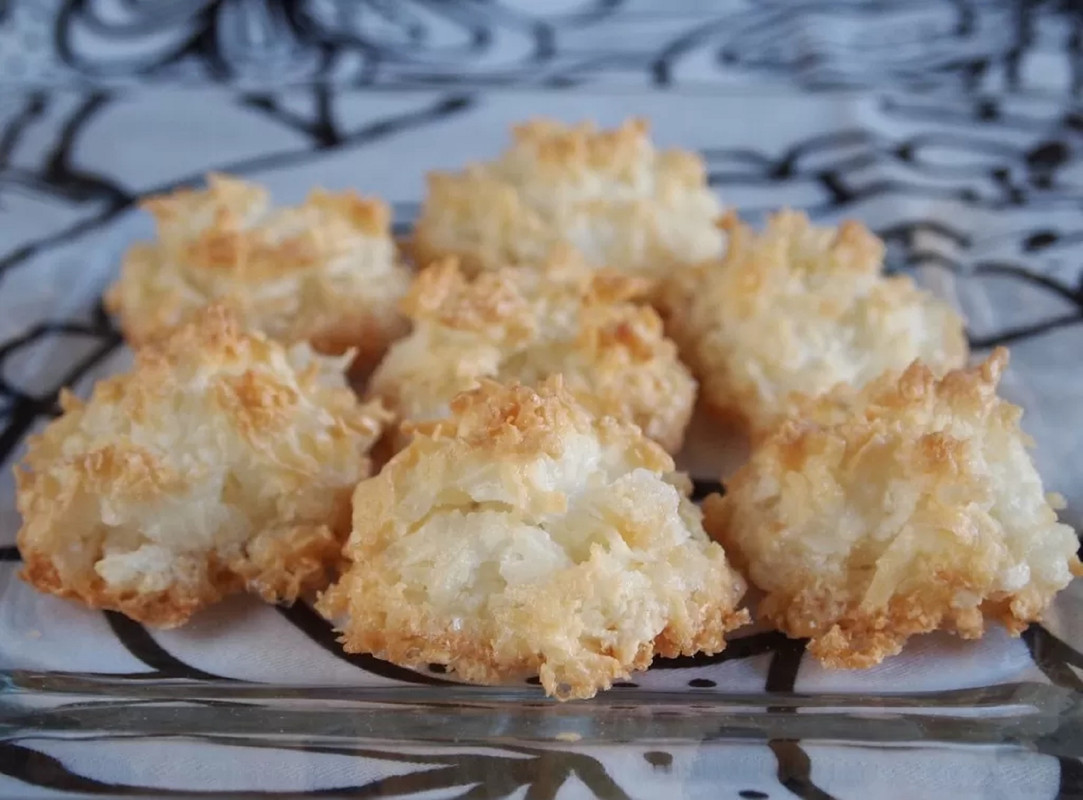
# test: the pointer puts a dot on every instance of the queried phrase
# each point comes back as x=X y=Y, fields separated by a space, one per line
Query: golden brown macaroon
x=608 y=193
x=223 y=461
x=325 y=272
x=797 y=309
x=525 y=536
x=525 y=325
x=908 y=506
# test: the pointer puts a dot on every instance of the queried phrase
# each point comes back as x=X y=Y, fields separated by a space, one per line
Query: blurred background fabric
x=942 y=45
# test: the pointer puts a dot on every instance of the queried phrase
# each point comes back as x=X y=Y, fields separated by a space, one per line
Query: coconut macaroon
x=795 y=310
x=608 y=193
x=908 y=506
x=325 y=272
x=524 y=325
x=223 y=461
x=523 y=535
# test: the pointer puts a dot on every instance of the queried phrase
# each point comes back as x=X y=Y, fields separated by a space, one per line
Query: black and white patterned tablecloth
x=961 y=45
x=953 y=129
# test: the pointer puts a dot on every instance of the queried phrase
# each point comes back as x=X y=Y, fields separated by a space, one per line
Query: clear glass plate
x=974 y=199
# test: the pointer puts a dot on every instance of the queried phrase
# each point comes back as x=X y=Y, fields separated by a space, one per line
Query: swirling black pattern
x=365 y=42
x=541 y=772
x=967 y=45
x=916 y=44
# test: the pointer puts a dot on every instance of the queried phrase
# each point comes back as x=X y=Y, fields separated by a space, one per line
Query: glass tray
x=979 y=200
